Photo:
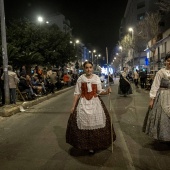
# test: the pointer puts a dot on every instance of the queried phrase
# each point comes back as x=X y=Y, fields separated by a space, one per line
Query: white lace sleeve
x=156 y=84
x=77 y=90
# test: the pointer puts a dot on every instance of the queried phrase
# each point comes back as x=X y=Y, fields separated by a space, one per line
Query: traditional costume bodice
x=165 y=83
x=86 y=94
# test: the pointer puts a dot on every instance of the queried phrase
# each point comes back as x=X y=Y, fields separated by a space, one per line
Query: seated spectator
x=38 y=87
x=23 y=71
x=25 y=86
x=67 y=79
x=39 y=72
x=45 y=82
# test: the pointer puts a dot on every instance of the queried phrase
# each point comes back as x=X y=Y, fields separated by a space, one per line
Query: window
x=140 y=16
x=141 y=5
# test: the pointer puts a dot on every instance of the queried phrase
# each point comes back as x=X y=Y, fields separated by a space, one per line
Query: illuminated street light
x=77 y=41
x=93 y=51
x=132 y=31
x=120 y=47
x=40 y=19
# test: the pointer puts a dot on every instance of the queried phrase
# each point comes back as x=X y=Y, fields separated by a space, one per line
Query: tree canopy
x=29 y=43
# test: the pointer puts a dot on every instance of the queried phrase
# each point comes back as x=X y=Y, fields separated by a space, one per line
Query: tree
x=30 y=44
x=23 y=42
x=148 y=28
x=164 y=5
x=126 y=43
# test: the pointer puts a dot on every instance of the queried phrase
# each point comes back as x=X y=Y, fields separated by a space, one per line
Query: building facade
x=136 y=11
x=157 y=51
x=61 y=22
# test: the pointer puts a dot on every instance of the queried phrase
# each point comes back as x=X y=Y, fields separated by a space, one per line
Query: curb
x=9 y=110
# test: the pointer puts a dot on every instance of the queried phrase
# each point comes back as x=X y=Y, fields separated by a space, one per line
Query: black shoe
x=91 y=152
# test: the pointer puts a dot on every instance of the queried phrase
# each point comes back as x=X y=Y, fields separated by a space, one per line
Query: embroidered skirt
x=157 y=121
x=89 y=139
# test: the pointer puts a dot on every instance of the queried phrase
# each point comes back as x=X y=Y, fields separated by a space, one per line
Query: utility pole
x=4 y=52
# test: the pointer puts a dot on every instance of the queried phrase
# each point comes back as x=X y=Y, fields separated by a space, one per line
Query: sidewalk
x=9 y=110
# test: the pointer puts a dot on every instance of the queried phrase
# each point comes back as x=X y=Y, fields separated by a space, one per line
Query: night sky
x=94 y=22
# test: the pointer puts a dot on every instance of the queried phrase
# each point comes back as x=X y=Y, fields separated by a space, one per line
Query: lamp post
x=132 y=31
x=98 y=56
x=75 y=47
x=4 y=52
x=92 y=52
x=120 y=48
x=74 y=44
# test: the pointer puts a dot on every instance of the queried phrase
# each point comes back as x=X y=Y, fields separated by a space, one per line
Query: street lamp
x=77 y=41
x=94 y=51
x=120 y=48
x=40 y=19
x=76 y=51
x=97 y=61
x=132 y=31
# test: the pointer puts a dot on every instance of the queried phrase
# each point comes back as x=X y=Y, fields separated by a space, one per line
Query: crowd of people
x=34 y=83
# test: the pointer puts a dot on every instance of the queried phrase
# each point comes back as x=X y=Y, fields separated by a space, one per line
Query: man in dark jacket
x=143 y=77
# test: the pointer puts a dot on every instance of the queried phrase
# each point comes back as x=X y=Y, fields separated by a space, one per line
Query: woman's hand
x=151 y=103
x=72 y=109
x=109 y=90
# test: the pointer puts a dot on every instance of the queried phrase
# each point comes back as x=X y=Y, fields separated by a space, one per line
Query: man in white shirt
x=136 y=77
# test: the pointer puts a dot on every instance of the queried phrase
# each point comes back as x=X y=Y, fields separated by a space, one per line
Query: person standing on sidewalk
x=13 y=81
x=157 y=120
x=124 y=84
x=89 y=125
x=136 y=78
x=52 y=81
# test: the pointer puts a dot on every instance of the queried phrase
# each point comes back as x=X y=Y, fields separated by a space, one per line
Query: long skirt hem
x=89 y=139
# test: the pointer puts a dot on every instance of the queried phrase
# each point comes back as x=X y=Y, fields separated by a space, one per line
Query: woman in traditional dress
x=89 y=125
x=157 y=120
x=124 y=84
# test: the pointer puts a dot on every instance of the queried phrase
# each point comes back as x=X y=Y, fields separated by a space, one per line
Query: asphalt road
x=35 y=139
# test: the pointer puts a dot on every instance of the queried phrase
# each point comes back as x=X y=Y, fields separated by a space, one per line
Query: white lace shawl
x=162 y=73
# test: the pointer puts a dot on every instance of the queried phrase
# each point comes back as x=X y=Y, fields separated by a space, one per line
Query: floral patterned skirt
x=89 y=139
x=157 y=122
